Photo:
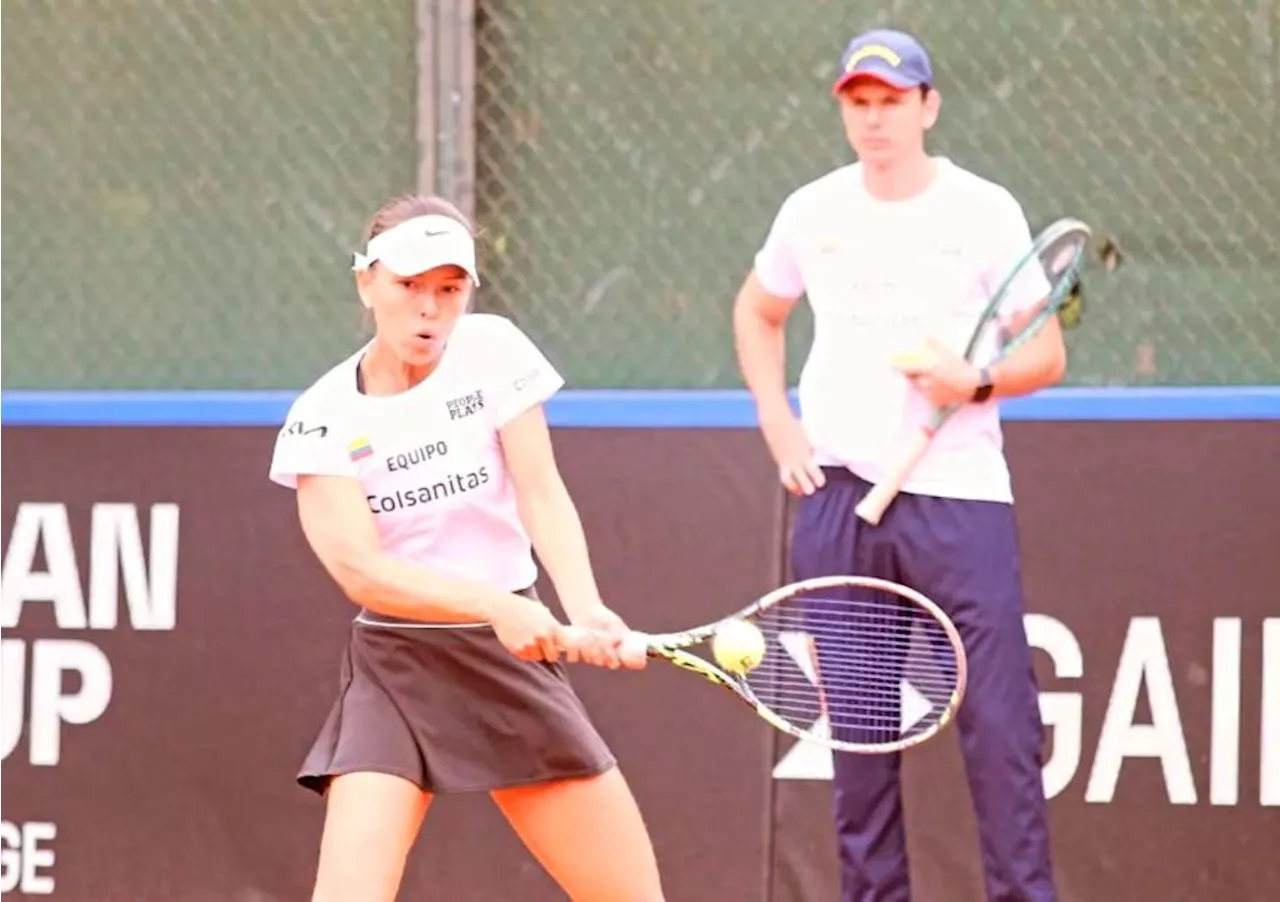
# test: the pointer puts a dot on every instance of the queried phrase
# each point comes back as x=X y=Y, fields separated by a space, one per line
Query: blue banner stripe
x=709 y=409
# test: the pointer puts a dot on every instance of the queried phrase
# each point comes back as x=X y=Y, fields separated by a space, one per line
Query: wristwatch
x=985 y=388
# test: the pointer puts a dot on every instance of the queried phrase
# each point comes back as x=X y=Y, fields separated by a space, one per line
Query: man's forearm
x=762 y=360
x=1040 y=363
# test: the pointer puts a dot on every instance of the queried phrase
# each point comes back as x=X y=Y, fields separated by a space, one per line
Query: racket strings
x=864 y=667
x=1050 y=278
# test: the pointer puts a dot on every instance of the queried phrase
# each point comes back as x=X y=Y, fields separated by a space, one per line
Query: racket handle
x=571 y=636
x=634 y=642
x=634 y=645
x=877 y=501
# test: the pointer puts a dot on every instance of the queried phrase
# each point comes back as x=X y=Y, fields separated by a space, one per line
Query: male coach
x=897 y=246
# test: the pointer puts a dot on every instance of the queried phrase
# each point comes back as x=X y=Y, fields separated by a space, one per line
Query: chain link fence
x=632 y=155
x=186 y=179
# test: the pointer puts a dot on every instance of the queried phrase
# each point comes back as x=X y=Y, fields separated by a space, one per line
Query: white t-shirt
x=878 y=276
x=429 y=458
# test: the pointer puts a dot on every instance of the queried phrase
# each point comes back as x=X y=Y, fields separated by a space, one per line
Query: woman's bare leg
x=371 y=821
x=589 y=835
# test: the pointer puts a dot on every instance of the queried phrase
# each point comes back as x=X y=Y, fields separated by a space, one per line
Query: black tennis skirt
x=451 y=710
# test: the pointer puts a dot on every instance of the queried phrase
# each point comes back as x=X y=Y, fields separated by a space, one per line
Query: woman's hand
x=529 y=630
x=603 y=643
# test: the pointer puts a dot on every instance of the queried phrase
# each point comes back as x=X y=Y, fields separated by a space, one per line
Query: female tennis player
x=425 y=477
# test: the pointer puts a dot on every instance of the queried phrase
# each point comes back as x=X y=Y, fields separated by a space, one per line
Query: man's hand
x=797 y=470
x=941 y=375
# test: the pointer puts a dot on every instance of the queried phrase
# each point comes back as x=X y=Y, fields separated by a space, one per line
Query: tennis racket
x=852 y=663
x=1056 y=256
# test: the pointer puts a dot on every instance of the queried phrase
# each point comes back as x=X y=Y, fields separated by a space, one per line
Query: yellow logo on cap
x=877 y=50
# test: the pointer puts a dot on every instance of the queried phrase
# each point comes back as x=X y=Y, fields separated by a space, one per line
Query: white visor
x=419 y=244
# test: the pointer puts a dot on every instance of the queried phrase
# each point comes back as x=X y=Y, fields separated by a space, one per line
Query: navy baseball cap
x=893 y=57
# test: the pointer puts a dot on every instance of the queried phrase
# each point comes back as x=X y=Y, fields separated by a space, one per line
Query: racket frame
x=872 y=507
x=672 y=648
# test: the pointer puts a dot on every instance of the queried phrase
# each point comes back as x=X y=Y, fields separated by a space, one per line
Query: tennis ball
x=920 y=355
x=738 y=646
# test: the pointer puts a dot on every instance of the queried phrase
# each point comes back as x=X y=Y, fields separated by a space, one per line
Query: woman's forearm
x=556 y=530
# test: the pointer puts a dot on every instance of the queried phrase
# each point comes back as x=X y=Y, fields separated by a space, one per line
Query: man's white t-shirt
x=880 y=275
x=429 y=459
